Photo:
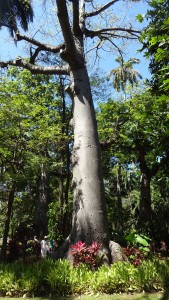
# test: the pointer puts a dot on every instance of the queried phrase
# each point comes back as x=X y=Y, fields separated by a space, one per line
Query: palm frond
x=13 y=12
x=124 y=73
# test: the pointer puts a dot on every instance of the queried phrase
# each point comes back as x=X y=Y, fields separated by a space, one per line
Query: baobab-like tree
x=89 y=221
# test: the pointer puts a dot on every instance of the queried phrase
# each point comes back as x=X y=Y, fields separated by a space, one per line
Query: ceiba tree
x=89 y=221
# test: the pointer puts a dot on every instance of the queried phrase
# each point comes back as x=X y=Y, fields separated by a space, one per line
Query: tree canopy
x=156 y=44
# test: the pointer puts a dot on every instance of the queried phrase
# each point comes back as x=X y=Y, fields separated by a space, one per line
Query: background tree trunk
x=42 y=203
x=64 y=184
x=119 y=201
x=145 y=211
x=7 y=220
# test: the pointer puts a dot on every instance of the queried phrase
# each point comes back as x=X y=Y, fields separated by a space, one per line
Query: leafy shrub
x=138 y=248
x=86 y=254
x=58 y=278
x=134 y=255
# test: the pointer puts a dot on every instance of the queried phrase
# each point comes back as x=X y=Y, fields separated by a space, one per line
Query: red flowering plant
x=138 y=248
x=79 y=252
x=86 y=254
x=134 y=255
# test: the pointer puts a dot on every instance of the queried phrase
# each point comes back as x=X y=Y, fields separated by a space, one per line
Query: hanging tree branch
x=101 y=9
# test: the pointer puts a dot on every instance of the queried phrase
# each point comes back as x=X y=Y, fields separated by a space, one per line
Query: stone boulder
x=117 y=253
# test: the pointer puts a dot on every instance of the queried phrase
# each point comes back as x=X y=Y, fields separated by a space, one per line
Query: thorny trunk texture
x=89 y=211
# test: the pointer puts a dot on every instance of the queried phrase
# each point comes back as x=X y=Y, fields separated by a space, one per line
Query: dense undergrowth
x=48 y=277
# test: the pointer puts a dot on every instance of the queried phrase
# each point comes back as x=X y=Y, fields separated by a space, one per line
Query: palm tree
x=124 y=73
x=14 y=11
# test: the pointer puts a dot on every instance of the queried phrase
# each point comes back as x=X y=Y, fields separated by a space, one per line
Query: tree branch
x=92 y=33
x=76 y=28
x=102 y=8
x=45 y=47
x=65 y=26
x=119 y=50
x=35 y=69
x=82 y=16
x=34 y=55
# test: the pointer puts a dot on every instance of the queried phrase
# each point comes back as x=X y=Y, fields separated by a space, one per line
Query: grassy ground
x=155 y=296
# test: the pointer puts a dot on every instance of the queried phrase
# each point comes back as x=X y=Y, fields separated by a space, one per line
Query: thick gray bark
x=89 y=211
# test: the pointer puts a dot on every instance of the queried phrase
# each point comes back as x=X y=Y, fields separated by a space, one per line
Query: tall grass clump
x=47 y=277
x=58 y=278
x=17 y=279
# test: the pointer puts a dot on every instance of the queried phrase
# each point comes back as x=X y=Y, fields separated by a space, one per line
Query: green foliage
x=137 y=239
x=140 y=18
x=155 y=42
x=33 y=132
x=60 y=278
x=138 y=247
x=137 y=127
x=124 y=73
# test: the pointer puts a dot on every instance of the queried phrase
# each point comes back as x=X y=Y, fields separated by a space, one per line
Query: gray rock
x=117 y=253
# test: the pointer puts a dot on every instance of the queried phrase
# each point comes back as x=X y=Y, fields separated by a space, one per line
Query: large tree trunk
x=7 y=220
x=89 y=209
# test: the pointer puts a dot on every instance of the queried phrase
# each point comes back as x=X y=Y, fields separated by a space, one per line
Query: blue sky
x=8 y=50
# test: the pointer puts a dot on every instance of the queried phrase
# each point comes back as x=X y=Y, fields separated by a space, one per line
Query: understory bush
x=86 y=254
x=48 y=277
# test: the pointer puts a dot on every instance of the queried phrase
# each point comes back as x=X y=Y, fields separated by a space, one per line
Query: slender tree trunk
x=7 y=220
x=42 y=203
x=65 y=169
x=119 y=201
x=145 y=198
x=64 y=183
x=145 y=210
x=89 y=210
